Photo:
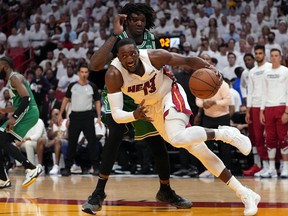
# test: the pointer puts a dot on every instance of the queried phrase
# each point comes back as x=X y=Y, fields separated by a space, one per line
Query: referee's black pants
x=82 y=121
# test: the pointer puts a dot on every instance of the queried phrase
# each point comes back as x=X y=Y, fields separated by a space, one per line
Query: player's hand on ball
x=213 y=68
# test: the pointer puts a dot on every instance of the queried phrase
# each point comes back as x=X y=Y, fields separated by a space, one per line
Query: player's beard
x=2 y=74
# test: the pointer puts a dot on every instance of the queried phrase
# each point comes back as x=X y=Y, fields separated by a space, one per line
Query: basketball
x=204 y=83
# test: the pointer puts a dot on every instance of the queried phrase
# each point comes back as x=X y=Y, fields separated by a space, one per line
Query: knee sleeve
x=207 y=158
x=179 y=134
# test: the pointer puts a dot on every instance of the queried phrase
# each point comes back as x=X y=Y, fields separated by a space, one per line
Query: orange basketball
x=204 y=83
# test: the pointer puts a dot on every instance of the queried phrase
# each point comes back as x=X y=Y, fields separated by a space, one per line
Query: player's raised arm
x=162 y=57
x=104 y=54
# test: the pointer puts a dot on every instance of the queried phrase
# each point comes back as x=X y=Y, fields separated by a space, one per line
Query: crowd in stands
x=47 y=40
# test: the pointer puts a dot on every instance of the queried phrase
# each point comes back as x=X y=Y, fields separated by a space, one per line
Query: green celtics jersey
x=28 y=118
x=16 y=97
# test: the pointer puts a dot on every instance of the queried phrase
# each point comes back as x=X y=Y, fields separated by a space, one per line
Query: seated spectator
x=231 y=34
x=202 y=20
x=68 y=32
x=61 y=66
x=67 y=79
x=39 y=87
x=177 y=28
x=49 y=58
x=50 y=104
x=99 y=41
x=57 y=140
x=229 y=71
x=38 y=40
x=2 y=89
x=55 y=38
x=67 y=43
x=86 y=30
x=24 y=35
x=6 y=98
x=187 y=49
x=49 y=75
x=77 y=51
x=238 y=120
x=13 y=40
x=29 y=142
x=162 y=29
x=60 y=49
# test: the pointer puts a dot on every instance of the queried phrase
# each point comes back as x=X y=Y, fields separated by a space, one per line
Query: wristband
x=115 y=35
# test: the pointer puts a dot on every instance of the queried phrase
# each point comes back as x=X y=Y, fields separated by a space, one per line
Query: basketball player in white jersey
x=274 y=113
x=254 y=99
x=140 y=74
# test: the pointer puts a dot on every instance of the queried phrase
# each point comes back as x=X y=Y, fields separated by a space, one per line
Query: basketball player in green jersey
x=134 y=21
x=24 y=117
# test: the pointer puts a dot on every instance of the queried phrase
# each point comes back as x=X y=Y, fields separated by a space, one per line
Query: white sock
x=265 y=164
x=235 y=185
x=218 y=134
x=285 y=165
x=256 y=157
x=272 y=164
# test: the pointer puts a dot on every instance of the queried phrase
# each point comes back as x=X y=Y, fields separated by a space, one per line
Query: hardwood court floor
x=134 y=195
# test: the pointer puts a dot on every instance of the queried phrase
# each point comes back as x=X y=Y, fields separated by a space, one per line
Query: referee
x=82 y=94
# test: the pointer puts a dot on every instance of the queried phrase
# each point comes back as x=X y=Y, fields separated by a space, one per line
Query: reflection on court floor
x=133 y=195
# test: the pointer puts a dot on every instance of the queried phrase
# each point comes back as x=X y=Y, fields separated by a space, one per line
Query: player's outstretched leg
x=234 y=137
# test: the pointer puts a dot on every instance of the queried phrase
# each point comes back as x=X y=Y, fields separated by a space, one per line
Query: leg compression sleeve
x=160 y=154
x=111 y=147
x=192 y=139
x=178 y=134
x=207 y=157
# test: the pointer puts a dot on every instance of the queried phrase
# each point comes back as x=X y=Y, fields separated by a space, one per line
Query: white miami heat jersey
x=152 y=86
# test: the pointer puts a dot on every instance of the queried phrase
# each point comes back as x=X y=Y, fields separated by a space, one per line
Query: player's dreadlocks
x=143 y=8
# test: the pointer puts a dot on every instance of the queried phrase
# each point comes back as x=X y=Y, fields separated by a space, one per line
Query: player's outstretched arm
x=162 y=57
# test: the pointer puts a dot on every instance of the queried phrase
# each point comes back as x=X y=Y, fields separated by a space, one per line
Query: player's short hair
x=8 y=61
x=125 y=41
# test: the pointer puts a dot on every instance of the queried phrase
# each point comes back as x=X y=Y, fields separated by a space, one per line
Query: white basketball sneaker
x=234 y=137
x=270 y=173
x=259 y=173
x=250 y=199
x=32 y=175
